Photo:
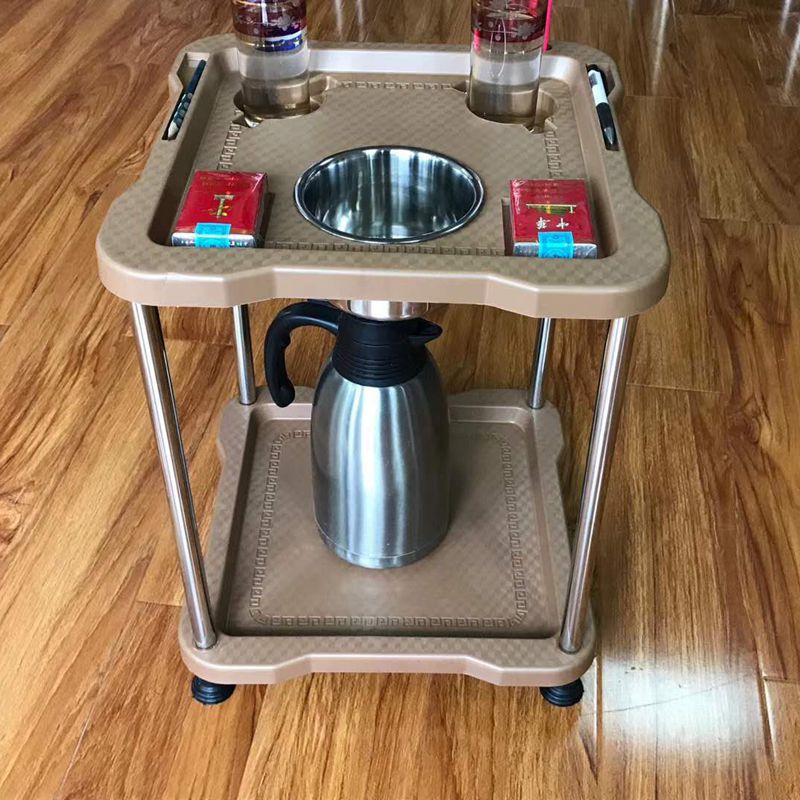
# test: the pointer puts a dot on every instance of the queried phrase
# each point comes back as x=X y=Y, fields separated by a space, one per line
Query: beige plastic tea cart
x=505 y=597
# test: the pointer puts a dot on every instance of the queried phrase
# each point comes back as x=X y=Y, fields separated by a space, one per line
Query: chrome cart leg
x=601 y=446
x=544 y=342
x=244 y=355
x=164 y=414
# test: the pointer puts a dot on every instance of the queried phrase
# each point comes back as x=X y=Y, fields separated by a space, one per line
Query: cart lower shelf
x=488 y=602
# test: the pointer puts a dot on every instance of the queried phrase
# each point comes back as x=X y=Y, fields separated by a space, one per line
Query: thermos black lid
x=368 y=352
x=381 y=353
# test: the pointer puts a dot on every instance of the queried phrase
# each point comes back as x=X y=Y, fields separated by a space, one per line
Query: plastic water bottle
x=273 y=56
x=507 y=38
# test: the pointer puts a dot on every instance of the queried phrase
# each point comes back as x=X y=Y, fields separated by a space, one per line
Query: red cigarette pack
x=222 y=209
x=552 y=219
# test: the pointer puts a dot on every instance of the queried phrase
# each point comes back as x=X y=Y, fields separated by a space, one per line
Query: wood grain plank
x=572 y=387
x=680 y=705
x=55 y=349
x=735 y=8
x=641 y=38
x=674 y=632
x=75 y=553
x=678 y=341
x=457 y=351
x=146 y=738
x=74 y=494
x=776 y=43
x=514 y=337
x=61 y=605
x=757 y=291
x=53 y=684
x=390 y=20
x=413 y=736
x=65 y=143
x=746 y=168
x=783 y=704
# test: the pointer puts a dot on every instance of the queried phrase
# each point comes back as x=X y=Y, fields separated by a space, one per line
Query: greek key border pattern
x=266 y=522
x=229 y=147
x=392 y=85
x=385 y=248
x=552 y=150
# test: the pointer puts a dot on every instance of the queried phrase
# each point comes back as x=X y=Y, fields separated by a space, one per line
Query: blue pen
x=176 y=120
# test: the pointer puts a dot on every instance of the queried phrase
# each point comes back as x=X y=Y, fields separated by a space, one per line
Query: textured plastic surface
x=487 y=602
x=366 y=97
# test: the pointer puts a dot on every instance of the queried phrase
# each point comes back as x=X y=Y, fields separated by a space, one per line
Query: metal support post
x=244 y=355
x=164 y=414
x=544 y=342
x=601 y=446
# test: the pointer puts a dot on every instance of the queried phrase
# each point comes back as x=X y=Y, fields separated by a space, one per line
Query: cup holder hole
x=318 y=85
x=546 y=108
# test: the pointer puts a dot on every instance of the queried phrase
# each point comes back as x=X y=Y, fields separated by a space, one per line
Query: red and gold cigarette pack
x=222 y=209
x=552 y=219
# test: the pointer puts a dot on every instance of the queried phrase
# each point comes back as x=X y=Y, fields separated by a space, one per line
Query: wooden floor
x=696 y=688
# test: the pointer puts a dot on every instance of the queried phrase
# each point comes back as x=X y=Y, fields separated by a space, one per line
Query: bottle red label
x=277 y=25
x=508 y=21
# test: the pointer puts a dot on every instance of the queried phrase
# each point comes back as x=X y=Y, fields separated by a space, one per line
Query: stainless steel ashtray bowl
x=389 y=195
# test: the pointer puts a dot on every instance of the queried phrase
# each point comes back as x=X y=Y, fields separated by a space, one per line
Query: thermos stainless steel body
x=379 y=434
x=380 y=466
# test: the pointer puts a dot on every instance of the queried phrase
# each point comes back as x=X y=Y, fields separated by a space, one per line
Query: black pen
x=182 y=106
x=598 y=84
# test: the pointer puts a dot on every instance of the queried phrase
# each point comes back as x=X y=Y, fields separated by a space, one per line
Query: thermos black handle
x=278 y=339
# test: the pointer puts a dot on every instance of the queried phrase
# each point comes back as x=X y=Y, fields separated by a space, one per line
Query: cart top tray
x=388 y=95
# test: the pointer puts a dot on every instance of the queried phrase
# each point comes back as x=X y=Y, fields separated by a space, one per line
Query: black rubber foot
x=563 y=696
x=210 y=694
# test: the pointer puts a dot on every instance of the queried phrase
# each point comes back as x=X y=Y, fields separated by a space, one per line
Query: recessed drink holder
x=318 y=85
x=545 y=110
x=501 y=599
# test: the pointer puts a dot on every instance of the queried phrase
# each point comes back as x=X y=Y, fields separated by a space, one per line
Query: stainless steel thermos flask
x=379 y=434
